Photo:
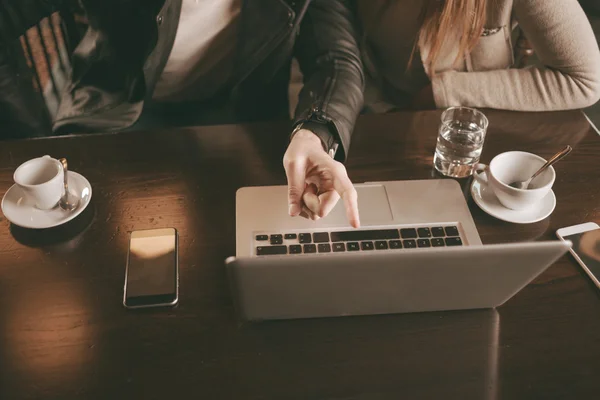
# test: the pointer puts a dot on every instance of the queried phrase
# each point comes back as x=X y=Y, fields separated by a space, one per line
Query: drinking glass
x=460 y=141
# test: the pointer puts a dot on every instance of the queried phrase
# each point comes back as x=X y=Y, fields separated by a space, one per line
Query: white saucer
x=22 y=212
x=488 y=202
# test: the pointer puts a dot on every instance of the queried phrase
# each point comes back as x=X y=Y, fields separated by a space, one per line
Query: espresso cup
x=41 y=180
x=513 y=166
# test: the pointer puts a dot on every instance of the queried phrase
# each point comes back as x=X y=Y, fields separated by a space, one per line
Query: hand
x=424 y=99
x=316 y=181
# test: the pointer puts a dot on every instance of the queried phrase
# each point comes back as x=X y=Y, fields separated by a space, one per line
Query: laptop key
x=381 y=245
x=321 y=237
x=270 y=250
x=437 y=242
x=424 y=232
x=423 y=243
x=337 y=247
x=310 y=248
x=395 y=244
x=348 y=236
x=324 y=248
x=262 y=237
x=453 y=241
x=295 y=249
x=451 y=231
x=408 y=233
x=305 y=238
x=366 y=245
x=276 y=239
x=352 y=246
x=409 y=244
x=438 y=231
x=290 y=236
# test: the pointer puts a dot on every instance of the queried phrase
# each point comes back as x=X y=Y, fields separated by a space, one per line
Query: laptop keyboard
x=357 y=240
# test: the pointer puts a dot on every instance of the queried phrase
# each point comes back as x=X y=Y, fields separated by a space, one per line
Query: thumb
x=295 y=172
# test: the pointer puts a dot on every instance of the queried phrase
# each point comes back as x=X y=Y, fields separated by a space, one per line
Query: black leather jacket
x=120 y=58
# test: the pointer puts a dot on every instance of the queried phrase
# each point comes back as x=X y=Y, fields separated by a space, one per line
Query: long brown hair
x=443 y=19
x=439 y=20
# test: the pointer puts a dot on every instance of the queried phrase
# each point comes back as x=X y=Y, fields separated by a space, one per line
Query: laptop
x=417 y=250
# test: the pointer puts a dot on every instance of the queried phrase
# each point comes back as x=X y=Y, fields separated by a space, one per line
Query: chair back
x=34 y=71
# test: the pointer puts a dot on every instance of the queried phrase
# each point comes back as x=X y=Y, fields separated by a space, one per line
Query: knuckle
x=292 y=162
x=294 y=192
x=339 y=169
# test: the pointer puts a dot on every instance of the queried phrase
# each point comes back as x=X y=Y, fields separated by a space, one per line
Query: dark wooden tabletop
x=64 y=332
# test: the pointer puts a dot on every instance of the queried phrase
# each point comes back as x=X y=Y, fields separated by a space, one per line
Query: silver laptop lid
x=448 y=278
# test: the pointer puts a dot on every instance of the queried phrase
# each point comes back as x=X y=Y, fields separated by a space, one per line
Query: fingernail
x=293 y=210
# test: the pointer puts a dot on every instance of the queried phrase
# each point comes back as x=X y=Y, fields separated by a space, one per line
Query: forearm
x=529 y=89
x=328 y=53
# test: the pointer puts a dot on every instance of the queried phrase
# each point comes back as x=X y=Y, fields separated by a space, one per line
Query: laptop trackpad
x=373 y=206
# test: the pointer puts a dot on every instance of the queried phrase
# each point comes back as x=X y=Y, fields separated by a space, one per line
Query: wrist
x=307 y=136
x=322 y=132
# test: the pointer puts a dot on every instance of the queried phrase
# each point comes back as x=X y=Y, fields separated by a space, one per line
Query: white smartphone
x=586 y=247
x=151 y=275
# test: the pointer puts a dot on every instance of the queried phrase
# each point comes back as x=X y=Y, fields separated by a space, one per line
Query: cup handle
x=480 y=173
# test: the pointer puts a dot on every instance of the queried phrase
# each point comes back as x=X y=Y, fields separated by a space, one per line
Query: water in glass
x=459 y=146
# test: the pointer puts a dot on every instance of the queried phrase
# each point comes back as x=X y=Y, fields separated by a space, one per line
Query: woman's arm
x=329 y=57
x=332 y=97
x=564 y=43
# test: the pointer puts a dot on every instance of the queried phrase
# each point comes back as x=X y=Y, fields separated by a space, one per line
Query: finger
x=347 y=192
x=328 y=200
x=295 y=172
x=303 y=214
x=306 y=213
x=311 y=200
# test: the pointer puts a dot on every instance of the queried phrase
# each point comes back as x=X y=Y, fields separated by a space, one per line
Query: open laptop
x=417 y=250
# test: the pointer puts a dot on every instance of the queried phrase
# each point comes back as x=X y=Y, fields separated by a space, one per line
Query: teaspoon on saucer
x=68 y=201
x=554 y=159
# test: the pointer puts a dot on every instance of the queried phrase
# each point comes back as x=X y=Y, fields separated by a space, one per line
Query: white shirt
x=202 y=55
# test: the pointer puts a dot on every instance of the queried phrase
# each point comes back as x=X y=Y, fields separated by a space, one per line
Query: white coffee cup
x=41 y=180
x=513 y=166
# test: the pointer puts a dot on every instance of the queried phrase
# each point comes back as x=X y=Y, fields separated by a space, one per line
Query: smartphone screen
x=587 y=247
x=151 y=277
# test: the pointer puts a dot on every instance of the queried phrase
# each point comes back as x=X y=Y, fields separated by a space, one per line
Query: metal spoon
x=555 y=158
x=68 y=201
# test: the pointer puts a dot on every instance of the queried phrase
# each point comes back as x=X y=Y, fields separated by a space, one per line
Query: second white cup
x=42 y=180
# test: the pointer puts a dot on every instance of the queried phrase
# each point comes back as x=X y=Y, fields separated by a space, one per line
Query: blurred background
x=34 y=67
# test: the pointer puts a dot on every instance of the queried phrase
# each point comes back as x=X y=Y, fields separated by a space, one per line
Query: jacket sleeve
x=329 y=57
x=569 y=77
x=17 y=16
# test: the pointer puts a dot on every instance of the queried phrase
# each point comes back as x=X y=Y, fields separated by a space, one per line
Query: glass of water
x=460 y=141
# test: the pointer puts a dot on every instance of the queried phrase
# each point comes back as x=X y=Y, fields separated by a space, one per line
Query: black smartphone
x=151 y=275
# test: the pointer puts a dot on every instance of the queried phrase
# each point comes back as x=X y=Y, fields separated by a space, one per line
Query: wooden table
x=65 y=334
